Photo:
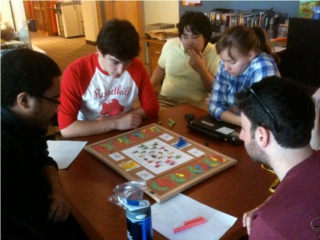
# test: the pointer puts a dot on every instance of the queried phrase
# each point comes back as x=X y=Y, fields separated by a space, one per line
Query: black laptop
x=216 y=129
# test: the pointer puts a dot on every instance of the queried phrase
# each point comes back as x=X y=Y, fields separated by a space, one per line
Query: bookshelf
x=223 y=18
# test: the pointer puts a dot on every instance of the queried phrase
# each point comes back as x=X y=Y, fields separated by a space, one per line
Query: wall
x=289 y=7
x=6 y=14
x=154 y=12
x=18 y=17
x=19 y=14
x=161 y=11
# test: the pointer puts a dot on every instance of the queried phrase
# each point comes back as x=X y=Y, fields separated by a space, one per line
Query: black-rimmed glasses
x=264 y=107
x=49 y=99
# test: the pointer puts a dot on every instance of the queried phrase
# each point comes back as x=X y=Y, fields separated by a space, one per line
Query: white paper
x=278 y=49
x=225 y=130
x=64 y=152
x=174 y=212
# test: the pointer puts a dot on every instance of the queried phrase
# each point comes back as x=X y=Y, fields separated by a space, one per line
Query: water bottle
x=139 y=223
x=24 y=33
x=316 y=13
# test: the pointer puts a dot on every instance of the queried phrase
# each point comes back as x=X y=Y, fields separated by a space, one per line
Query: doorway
x=41 y=13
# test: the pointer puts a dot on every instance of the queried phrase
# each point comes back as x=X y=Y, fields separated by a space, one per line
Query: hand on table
x=121 y=122
x=247 y=217
x=247 y=220
x=315 y=133
x=316 y=97
x=234 y=110
x=129 y=121
x=59 y=207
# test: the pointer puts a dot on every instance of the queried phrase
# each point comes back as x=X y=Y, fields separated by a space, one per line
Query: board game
x=169 y=163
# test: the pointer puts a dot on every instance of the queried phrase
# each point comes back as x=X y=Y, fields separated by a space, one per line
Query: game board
x=169 y=163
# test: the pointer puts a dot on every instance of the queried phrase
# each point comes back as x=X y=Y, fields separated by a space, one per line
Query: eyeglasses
x=194 y=38
x=49 y=99
x=264 y=107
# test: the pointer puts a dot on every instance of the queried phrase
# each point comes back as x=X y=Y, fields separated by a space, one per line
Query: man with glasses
x=187 y=66
x=33 y=202
x=277 y=116
x=98 y=91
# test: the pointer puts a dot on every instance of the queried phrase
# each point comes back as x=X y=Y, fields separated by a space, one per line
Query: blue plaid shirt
x=225 y=85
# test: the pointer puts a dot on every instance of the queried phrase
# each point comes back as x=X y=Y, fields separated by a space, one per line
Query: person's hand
x=196 y=61
x=247 y=220
x=247 y=217
x=59 y=206
x=130 y=121
x=316 y=97
x=315 y=133
x=207 y=100
x=234 y=110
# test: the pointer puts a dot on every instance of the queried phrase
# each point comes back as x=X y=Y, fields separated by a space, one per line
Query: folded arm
x=218 y=105
x=102 y=124
x=231 y=116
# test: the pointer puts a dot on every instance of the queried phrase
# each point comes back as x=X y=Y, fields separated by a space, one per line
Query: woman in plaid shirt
x=245 y=59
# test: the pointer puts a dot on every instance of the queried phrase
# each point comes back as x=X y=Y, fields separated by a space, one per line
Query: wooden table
x=89 y=183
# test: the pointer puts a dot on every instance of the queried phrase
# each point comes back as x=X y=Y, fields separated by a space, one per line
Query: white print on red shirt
x=117 y=90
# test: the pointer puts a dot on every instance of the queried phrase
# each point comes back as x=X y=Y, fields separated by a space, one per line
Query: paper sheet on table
x=64 y=152
x=172 y=213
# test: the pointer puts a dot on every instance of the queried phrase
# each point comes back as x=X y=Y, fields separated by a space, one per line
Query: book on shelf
x=222 y=18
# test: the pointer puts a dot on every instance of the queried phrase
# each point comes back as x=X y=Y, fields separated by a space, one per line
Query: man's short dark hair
x=25 y=70
x=120 y=39
x=198 y=23
x=290 y=105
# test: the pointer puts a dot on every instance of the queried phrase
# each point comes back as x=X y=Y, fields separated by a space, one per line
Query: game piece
x=189 y=117
x=190 y=224
x=198 y=219
x=181 y=142
x=171 y=121
x=160 y=122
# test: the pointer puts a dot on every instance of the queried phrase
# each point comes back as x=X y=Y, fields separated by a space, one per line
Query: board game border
x=148 y=191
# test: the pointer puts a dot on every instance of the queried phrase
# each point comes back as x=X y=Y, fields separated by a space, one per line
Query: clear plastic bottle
x=24 y=33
